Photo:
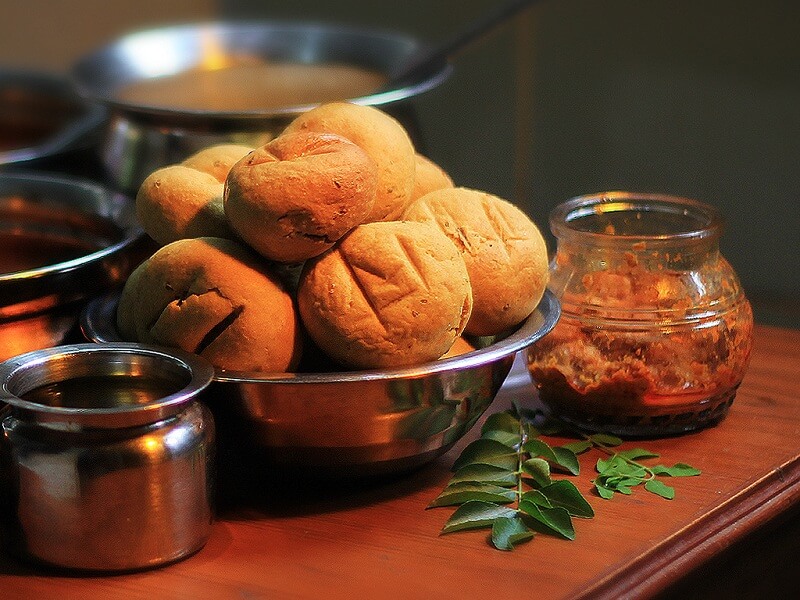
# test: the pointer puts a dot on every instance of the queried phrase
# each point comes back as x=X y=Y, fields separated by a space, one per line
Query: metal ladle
x=427 y=59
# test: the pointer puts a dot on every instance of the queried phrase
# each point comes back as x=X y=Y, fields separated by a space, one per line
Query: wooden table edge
x=749 y=509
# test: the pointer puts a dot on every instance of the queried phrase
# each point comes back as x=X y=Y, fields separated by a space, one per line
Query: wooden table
x=728 y=533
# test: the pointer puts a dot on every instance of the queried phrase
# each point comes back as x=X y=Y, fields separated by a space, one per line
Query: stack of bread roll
x=337 y=236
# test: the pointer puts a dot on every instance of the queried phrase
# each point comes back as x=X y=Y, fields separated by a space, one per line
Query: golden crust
x=505 y=253
x=460 y=346
x=389 y=294
x=217 y=160
x=185 y=200
x=178 y=202
x=213 y=297
x=428 y=177
x=384 y=140
x=295 y=197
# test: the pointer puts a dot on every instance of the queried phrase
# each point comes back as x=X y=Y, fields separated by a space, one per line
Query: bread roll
x=215 y=298
x=185 y=200
x=217 y=160
x=384 y=140
x=460 y=346
x=504 y=251
x=293 y=198
x=428 y=177
x=388 y=294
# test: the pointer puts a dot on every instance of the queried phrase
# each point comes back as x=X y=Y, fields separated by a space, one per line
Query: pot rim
x=96 y=82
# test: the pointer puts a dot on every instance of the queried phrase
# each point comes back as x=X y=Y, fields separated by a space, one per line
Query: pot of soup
x=174 y=90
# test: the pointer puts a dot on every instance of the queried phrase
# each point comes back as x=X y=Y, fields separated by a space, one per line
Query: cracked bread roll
x=295 y=197
x=185 y=200
x=384 y=140
x=388 y=294
x=505 y=254
x=213 y=297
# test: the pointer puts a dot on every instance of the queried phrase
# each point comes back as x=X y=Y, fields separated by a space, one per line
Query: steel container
x=141 y=137
x=106 y=456
x=63 y=240
x=356 y=423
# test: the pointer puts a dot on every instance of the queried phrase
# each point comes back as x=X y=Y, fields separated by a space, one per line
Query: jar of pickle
x=655 y=330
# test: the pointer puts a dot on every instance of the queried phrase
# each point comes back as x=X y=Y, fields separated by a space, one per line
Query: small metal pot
x=106 y=456
x=62 y=240
x=141 y=138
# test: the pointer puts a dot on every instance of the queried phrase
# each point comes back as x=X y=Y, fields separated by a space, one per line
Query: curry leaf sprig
x=504 y=481
x=623 y=470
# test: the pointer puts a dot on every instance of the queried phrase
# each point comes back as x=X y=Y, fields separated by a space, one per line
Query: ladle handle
x=430 y=57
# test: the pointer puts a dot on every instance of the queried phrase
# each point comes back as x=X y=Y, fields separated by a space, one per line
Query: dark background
x=699 y=98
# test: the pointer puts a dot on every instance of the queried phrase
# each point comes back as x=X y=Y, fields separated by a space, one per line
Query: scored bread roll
x=388 y=294
x=293 y=198
x=384 y=140
x=503 y=249
x=213 y=297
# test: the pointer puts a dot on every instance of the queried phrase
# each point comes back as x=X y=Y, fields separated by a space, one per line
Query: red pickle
x=655 y=331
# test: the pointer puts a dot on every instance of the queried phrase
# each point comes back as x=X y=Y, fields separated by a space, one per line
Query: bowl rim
x=97 y=91
x=129 y=233
x=95 y=325
x=72 y=135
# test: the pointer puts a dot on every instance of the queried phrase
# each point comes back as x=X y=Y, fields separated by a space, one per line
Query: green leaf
x=603 y=491
x=555 y=520
x=579 y=446
x=616 y=465
x=677 y=470
x=512 y=440
x=475 y=515
x=637 y=454
x=536 y=447
x=563 y=493
x=660 y=489
x=566 y=459
x=489 y=452
x=605 y=439
x=501 y=421
x=539 y=469
x=464 y=491
x=507 y=532
x=483 y=473
x=537 y=497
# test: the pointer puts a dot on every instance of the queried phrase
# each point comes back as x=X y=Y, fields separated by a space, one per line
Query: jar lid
x=107 y=386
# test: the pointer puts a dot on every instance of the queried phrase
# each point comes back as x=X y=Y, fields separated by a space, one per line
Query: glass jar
x=655 y=331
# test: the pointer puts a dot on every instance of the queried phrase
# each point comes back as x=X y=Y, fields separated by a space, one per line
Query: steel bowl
x=143 y=136
x=63 y=240
x=43 y=122
x=354 y=423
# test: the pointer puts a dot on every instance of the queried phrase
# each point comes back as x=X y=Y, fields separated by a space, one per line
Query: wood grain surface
x=299 y=538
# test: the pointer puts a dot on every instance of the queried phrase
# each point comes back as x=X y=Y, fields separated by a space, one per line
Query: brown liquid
x=103 y=392
x=252 y=87
x=20 y=251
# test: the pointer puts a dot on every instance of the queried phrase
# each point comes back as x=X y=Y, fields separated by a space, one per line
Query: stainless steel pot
x=106 y=456
x=43 y=122
x=63 y=240
x=142 y=137
x=344 y=424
